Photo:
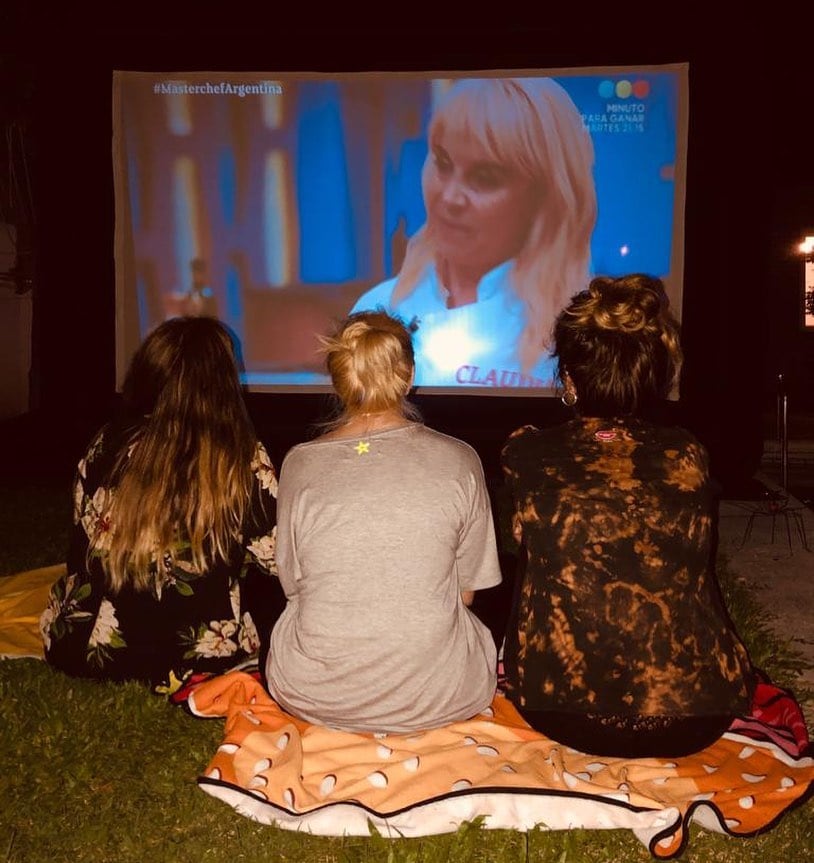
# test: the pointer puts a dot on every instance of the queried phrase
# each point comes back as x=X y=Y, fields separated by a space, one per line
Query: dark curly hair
x=619 y=344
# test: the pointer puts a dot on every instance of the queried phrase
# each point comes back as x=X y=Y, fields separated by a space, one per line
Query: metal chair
x=779 y=504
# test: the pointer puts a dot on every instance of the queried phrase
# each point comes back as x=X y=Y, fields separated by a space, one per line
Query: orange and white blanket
x=276 y=769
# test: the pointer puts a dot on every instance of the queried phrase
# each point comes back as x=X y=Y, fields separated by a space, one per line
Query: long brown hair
x=185 y=476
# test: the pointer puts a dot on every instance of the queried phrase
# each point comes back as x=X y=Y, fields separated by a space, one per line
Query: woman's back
x=378 y=538
x=195 y=620
x=619 y=642
x=618 y=535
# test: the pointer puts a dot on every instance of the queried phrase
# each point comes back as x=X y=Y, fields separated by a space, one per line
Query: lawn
x=106 y=772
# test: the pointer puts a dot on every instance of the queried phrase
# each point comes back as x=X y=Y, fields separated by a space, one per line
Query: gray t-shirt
x=376 y=539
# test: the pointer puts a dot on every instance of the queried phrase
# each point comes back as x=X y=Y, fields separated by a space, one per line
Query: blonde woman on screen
x=511 y=206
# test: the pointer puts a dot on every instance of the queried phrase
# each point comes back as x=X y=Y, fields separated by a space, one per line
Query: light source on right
x=806 y=248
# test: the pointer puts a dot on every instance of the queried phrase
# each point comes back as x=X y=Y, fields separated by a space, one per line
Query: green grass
x=94 y=772
x=34 y=526
x=778 y=658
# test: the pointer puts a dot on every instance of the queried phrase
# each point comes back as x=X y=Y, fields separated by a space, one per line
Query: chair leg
x=747 y=533
x=788 y=528
x=801 y=530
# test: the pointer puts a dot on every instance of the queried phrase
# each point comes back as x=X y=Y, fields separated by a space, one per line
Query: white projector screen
x=279 y=202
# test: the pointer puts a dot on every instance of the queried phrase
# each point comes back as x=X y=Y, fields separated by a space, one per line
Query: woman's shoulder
x=673 y=438
x=104 y=447
x=261 y=456
x=683 y=436
x=524 y=432
x=98 y=444
x=263 y=468
x=684 y=451
x=526 y=436
x=301 y=453
x=548 y=445
x=431 y=437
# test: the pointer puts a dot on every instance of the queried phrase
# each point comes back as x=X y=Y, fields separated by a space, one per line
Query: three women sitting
x=618 y=641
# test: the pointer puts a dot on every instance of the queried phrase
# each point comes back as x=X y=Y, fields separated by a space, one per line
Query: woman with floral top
x=619 y=643
x=171 y=567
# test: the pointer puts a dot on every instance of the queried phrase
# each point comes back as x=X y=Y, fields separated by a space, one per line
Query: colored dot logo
x=624 y=89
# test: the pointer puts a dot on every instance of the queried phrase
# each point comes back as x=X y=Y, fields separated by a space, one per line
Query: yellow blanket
x=23 y=598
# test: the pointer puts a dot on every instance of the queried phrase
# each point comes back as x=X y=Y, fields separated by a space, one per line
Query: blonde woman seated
x=385 y=531
x=171 y=564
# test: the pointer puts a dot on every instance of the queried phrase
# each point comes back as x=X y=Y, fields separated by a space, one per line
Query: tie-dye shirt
x=618 y=610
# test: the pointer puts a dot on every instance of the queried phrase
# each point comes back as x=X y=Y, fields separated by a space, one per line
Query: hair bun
x=630 y=304
x=370 y=360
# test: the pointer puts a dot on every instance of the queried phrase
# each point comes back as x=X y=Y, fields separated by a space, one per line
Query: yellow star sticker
x=362 y=447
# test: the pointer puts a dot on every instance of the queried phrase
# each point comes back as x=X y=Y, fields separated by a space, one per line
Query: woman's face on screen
x=479 y=211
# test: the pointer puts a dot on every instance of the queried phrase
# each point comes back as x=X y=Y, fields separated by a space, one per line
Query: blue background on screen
x=633 y=175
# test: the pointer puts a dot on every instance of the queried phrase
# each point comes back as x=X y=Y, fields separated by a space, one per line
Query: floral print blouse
x=195 y=622
x=617 y=610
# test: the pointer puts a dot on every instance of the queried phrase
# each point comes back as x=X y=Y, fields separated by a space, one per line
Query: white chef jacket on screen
x=471 y=345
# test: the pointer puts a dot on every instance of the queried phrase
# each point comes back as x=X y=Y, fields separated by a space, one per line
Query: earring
x=569 y=398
